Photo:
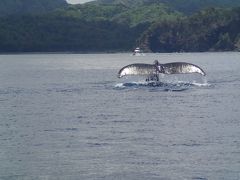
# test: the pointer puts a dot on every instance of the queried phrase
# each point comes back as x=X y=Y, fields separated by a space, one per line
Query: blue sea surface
x=68 y=116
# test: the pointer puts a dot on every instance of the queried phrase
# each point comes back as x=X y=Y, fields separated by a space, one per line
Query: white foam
x=119 y=85
x=201 y=84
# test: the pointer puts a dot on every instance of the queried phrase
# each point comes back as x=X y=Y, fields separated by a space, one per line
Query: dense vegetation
x=209 y=30
x=18 y=7
x=120 y=13
x=119 y=25
x=40 y=33
x=185 y=6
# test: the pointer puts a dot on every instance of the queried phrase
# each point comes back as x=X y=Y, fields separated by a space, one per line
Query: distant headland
x=114 y=26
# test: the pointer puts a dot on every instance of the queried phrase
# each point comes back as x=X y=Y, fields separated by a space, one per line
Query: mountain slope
x=16 y=7
x=209 y=30
x=146 y=14
x=119 y=13
x=53 y=33
x=185 y=6
x=96 y=27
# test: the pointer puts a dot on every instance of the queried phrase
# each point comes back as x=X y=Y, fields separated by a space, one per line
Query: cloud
x=78 y=1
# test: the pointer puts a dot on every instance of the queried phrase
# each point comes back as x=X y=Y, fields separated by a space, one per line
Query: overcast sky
x=77 y=1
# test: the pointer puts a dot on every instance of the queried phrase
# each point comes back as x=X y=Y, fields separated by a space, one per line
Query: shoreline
x=108 y=52
x=117 y=52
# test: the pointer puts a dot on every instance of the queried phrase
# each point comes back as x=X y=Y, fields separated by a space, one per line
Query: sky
x=77 y=1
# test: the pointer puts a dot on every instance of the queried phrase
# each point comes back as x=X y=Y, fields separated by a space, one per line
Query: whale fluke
x=181 y=68
x=138 y=69
x=156 y=68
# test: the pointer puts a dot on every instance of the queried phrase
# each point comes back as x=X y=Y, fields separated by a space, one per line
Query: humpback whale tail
x=152 y=70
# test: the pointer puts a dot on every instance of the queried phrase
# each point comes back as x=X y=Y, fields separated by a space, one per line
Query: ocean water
x=68 y=116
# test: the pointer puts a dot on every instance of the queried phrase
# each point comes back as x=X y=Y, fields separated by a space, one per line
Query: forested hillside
x=185 y=6
x=119 y=25
x=16 y=7
x=192 y=6
x=53 y=33
x=119 y=13
x=209 y=30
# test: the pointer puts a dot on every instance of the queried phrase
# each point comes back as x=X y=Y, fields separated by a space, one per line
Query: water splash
x=166 y=83
x=174 y=85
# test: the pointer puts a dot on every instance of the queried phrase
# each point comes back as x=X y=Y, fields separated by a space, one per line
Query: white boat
x=138 y=52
